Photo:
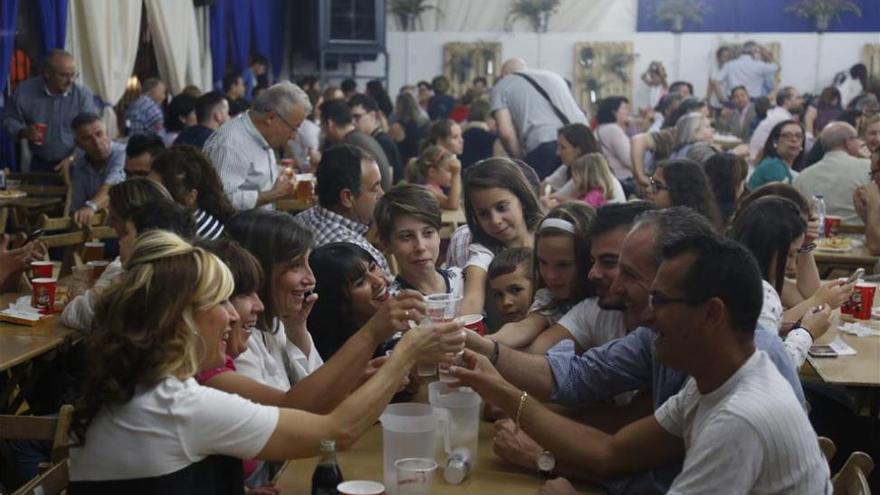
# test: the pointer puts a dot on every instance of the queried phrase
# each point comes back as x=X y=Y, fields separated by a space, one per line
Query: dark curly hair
x=689 y=186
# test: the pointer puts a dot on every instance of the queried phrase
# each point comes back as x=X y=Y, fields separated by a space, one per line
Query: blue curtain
x=8 y=17
x=52 y=30
x=218 y=41
x=278 y=21
x=261 y=27
x=239 y=15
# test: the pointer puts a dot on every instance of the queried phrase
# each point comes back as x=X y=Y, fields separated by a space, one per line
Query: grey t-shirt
x=534 y=118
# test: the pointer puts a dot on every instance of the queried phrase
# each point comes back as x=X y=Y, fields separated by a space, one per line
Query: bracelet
x=522 y=402
x=493 y=358
x=808 y=248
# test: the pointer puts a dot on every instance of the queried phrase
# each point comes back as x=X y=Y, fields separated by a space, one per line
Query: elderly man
x=627 y=364
x=243 y=149
x=738 y=120
x=140 y=151
x=337 y=123
x=748 y=71
x=704 y=303
x=145 y=115
x=838 y=174
x=95 y=169
x=529 y=107
x=212 y=110
x=349 y=186
x=365 y=114
x=788 y=102
x=42 y=108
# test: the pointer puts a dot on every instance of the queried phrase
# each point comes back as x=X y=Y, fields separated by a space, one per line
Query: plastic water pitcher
x=458 y=424
x=408 y=430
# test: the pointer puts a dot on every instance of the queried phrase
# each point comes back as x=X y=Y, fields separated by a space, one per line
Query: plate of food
x=835 y=244
x=12 y=194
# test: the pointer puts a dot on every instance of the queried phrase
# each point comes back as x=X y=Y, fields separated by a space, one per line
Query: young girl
x=438 y=170
x=447 y=134
x=562 y=248
x=502 y=211
x=510 y=283
x=593 y=179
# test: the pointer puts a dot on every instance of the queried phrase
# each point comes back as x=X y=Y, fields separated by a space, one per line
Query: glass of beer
x=439 y=308
x=93 y=251
x=305 y=188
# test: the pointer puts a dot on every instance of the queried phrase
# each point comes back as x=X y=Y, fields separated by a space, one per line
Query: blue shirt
x=145 y=116
x=195 y=135
x=33 y=103
x=628 y=364
x=85 y=179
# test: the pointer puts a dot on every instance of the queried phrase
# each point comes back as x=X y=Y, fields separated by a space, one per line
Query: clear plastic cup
x=415 y=475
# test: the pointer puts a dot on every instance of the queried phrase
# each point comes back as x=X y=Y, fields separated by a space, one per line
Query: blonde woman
x=145 y=424
x=440 y=172
x=593 y=178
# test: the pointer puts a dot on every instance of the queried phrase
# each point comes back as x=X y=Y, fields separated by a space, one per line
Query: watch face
x=546 y=461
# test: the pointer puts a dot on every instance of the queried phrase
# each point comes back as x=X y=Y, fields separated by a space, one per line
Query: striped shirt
x=768 y=443
x=329 y=226
x=207 y=225
x=244 y=161
x=145 y=116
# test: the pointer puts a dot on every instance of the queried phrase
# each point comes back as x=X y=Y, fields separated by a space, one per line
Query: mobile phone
x=36 y=234
x=822 y=351
x=855 y=276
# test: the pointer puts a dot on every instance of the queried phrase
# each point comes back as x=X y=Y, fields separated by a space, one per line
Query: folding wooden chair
x=826 y=445
x=52 y=479
x=853 y=476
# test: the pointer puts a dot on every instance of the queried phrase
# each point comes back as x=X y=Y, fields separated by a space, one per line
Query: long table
x=364 y=462
x=849 y=261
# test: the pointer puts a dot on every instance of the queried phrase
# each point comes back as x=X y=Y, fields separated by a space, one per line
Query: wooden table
x=18 y=209
x=849 y=261
x=364 y=462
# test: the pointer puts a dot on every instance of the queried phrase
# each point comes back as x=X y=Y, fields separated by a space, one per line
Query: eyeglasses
x=289 y=126
x=658 y=300
x=657 y=186
x=67 y=75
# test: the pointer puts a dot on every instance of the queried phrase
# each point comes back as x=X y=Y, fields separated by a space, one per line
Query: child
x=408 y=221
x=562 y=246
x=593 y=179
x=438 y=170
x=510 y=283
x=502 y=211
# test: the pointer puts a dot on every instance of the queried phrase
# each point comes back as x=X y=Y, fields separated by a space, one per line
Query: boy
x=510 y=283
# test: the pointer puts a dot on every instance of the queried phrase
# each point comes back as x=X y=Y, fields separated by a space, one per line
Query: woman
x=409 y=127
x=869 y=134
x=683 y=183
x=613 y=117
x=694 y=130
x=727 y=177
x=181 y=114
x=188 y=175
x=149 y=343
x=447 y=134
x=572 y=141
x=825 y=110
x=783 y=150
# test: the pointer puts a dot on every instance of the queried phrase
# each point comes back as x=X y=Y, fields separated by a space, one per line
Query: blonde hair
x=433 y=156
x=867 y=121
x=591 y=171
x=144 y=322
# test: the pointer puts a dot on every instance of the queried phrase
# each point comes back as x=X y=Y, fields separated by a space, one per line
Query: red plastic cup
x=42 y=269
x=474 y=322
x=832 y=225
x=863 y=300
x=361 y=488
x=41 y=136
x=97 y=268
x=43 y=294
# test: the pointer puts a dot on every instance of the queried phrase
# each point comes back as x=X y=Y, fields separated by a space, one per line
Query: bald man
x=529 y=106
x=42 y=108
x=838 y=174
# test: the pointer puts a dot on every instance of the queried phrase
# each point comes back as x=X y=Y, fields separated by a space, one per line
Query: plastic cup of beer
x=43 y=294
x=360 y=487
x=439 y=308
x=415 y=475
x=93 y=251
x=41 y=133
x=97 y=268
x=42 y=269
x=305 y=188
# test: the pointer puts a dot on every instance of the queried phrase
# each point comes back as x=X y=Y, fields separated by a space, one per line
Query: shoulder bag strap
x=539 y=89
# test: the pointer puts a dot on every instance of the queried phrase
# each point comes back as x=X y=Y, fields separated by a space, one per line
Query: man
x=748 y=71
x=349 y=186
x=630 y=363
x=95 y=169
x=140 y=152
x=234 y=89
x=480 y=86
x=683 y=88
x=365 y=114
x=597 y=320
x=42 y=108
x=738 y=121
x=527 y=121
x=735 y=420
x=866 y=201
x=838 y=174
x=145 y=115
x=338 y=126
x=212 y=110
x=349 y=88
x=243 y=149
x=251 y=75
x=788 y=102
x=441 y=104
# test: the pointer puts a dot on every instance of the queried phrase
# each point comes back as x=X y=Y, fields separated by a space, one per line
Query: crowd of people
x=629 y=270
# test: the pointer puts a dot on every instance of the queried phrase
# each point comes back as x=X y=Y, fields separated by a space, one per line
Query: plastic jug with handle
x=458 y=428
x=408 y=430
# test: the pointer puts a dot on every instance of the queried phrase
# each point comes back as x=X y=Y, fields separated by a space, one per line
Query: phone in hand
x=855 y=276
x=36 y=234
x=822 y=351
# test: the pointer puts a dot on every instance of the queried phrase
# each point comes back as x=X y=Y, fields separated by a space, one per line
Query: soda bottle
x=819 y=210
x=327 y=475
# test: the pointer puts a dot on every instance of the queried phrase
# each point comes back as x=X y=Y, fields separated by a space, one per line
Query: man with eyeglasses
x=338 y=126
x=365 y=115
x=243 y=149
x=42 y=108
x=591 y=380
x=866 y=201
x=838 y=174
x=734 y=420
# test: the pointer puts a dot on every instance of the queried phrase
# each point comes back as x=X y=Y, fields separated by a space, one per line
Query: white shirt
x=748 y=72
x=80 y=312
x=479 y=256
x=167 y=427
x=836 y=176
x=774 y=116
x=748 y=436
x=592 y=326
x=268 y=354
x=564 y=186
x=244 y=161
x=798 y=341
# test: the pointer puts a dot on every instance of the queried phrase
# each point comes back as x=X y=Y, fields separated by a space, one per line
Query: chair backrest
x=52 y=481
x=50 y=224
x=54 y=429
x=853 y=476
x=826 y=445
x=45 y=184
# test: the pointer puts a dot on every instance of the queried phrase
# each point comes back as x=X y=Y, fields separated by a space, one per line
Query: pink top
x=595 y=198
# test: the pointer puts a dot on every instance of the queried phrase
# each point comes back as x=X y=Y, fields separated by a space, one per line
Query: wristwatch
x=546 y=462
x=92 y=205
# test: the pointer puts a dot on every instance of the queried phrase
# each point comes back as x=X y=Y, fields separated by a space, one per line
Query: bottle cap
x=455 y=472
x=328 y=444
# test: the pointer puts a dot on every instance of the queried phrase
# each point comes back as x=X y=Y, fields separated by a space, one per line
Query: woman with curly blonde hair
x=145 y=424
